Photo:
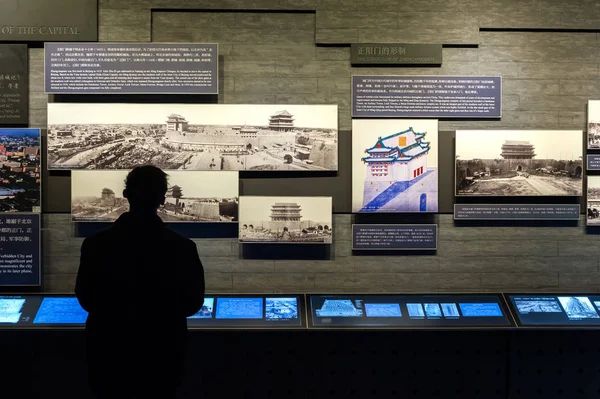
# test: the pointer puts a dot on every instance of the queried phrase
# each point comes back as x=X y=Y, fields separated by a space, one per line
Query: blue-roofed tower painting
x=395 y=166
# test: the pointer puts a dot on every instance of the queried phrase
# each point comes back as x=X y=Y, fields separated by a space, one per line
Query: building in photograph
x=61 y=134
x=393 y=162
x=193 y=137
x=512 y=149
x=281 y=121
x=247 y=132
x=108 y=197
x=286 y=214
x=176 y=123
x=501 y=163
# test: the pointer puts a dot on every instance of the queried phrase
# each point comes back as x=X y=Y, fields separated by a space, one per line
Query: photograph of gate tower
x=394 y=166
x=197 y=137
x=519 y=163
x=304 y=220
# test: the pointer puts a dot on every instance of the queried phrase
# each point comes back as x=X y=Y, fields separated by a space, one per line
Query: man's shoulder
x=101 y=235
x=171 y=235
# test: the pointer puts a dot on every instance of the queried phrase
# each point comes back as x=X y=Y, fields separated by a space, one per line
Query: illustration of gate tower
x=394 y=162
x=286 y=214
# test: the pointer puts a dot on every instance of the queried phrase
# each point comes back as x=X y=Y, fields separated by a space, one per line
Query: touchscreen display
x=556 y=310
x=408 y=311
x=21 y=311
x=60 y=310
x=248 y=311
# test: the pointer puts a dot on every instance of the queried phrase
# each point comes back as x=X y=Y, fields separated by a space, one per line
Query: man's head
x=145 y=188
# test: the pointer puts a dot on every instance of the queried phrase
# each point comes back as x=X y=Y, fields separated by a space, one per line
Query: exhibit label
x=426 y=96
x=14 y=88
x=394 y=237
x=593 y=162
x=20 y=250
x=49 y=20
x=131 y=68
x=516 y=212
x=396 y=54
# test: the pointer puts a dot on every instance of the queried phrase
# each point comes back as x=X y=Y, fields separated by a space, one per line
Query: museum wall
x=295 y=52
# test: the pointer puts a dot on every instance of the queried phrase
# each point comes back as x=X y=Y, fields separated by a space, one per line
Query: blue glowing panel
x=578 y=308
x=10 y=310
x=239 y=308
x=480 y=309
x=206 y=312
x=383 y=310
x=60 y=310
x=415 y=310
x=281 y=308
x=450 y=310
x=338 y=308
x=433 y=310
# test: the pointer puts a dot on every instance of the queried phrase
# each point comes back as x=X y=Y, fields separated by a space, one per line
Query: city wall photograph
x=593 y=201
x=593 y=131
x=201 y=137
x=394 y=165
x=20 y=175
x=97 y=196
x=519 y=163
x=285 y=220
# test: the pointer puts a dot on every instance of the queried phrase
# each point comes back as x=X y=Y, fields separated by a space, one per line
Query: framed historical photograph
x=593 y=201
x=394 y=165
x=20 y=172
x=97 y=196
x=285 y=220
x=519 y=163
x=593 y=132
x=215 y=137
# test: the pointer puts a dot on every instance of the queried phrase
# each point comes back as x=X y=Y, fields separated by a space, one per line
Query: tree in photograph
x=288 y=158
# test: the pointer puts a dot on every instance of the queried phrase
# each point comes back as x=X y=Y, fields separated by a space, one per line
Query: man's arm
x=84 y=287
x=193 y=281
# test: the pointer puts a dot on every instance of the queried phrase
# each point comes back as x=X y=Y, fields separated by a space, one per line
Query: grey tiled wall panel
x=468 y=259
x=272 y=58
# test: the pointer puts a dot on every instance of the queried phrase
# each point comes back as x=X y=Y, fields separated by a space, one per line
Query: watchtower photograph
x=301 y=220
x=519 y=163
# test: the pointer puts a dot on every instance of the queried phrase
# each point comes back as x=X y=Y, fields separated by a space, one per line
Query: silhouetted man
x=139 y=281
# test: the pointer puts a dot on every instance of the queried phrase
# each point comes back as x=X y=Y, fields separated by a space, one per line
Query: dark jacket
x=139 y=281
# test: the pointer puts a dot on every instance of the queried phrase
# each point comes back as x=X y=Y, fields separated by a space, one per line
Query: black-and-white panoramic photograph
x=593 y=201
x=519 y=163
x=97 y=196
x=193 y=136
x=303 y=220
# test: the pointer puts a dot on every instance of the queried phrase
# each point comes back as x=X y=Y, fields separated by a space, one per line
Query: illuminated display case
x=408 y=311
x=555 y=310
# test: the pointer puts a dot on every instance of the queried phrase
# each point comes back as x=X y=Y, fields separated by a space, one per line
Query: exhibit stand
x=354 y=345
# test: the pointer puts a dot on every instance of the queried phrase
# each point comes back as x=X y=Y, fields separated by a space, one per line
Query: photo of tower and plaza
x=304 y=220
x=196 y=137
x=519 y=163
